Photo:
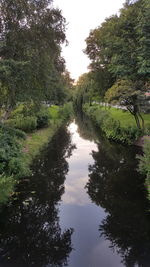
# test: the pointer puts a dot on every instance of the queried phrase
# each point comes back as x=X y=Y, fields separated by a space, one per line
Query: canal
x=85 y=205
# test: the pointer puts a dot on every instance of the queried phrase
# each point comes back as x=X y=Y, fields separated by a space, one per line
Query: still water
x=85 y=205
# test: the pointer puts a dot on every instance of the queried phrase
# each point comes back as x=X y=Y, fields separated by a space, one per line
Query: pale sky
x=82 y=16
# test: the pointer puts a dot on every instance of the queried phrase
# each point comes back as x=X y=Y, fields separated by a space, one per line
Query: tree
x=143 y=30
x=31 y=35
x=121 y=46
x=125 y=93
x=68 y=85
x=84 y=89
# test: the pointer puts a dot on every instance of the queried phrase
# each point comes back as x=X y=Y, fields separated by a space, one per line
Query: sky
x=81 y=17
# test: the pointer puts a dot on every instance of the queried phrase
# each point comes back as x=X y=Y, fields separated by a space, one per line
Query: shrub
x=27 y=124
x=144 y=165
x=54 y=113
x=12 y=131
x=43 y=118
x=11 y=157
x=66 y=111
x=110 y=126
x=6 y=187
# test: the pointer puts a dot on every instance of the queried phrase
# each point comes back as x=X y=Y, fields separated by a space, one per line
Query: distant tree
x=68 y=84
x=84 y=89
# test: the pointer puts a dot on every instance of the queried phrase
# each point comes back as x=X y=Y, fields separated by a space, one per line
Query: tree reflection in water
x=116 y=186
x=30 y=234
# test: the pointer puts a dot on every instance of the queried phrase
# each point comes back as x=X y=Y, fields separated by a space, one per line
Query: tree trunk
x=6 y=115
x=137 y=120
x=143 y=124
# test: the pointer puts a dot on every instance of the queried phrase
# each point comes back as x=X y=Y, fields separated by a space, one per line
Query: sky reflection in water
x=77 y=176
x=77 y=210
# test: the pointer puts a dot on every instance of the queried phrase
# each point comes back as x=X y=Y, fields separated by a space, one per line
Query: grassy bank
x=116 y=124
x=18 y=149
x=125 y=118
x=36 y=141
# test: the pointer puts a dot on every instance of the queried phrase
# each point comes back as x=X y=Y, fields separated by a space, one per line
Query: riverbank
x=144 y=165
x=19 y=149
x=125 y=117
x=113 y=128
x=36 y=141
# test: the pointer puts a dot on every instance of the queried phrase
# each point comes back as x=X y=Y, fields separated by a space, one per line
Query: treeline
x=119 y=73
x=33 y=76
x=31 y=66
x=119 y=50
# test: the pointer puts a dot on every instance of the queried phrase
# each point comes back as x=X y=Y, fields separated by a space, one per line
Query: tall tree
x=121 y=46
x=31 y=34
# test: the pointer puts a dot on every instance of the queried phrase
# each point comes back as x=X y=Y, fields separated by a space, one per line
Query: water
x=84 y=206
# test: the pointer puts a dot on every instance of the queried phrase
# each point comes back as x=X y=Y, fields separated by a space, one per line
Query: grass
x=36 y=141
x=125 y=118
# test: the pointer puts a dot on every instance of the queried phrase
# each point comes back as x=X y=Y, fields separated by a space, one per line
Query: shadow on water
x=115 y=185
x=31 y=230
x=30 y=233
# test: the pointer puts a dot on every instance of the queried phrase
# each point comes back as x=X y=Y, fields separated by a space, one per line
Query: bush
x=11 y=156
x=27 y=124
x=43 y=118
x=13 y=132
x=54 y=113
x=110 y=126
x=66 y=111
x=144 y=165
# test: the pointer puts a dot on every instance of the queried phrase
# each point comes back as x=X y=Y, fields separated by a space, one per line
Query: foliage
x=13 y=83
x=144 y=165
x=30 y=120
x=110 y=126
x=27 y=124
x=68 y=85
x=14 y=133
x=43 y=118
x=37 y=140
x=11 y=155
x=6 y=188
x=31 y=66
x=118 y=43
x=125 y=117
x=126 y=93
x=66 y=112
x=120 y=49
x=84 y=90
x=54 y=112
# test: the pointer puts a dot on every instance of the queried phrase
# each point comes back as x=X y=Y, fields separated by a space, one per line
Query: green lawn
x=125 y=118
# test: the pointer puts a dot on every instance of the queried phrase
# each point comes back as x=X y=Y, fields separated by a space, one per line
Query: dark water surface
x=85 y=205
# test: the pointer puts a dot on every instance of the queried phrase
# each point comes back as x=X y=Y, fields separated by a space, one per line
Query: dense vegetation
x=144 y=166
x=17 y=149
x=119 y=73
x=114 y=130
x=31 y=66
x=33 y=80
x=119 y=52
